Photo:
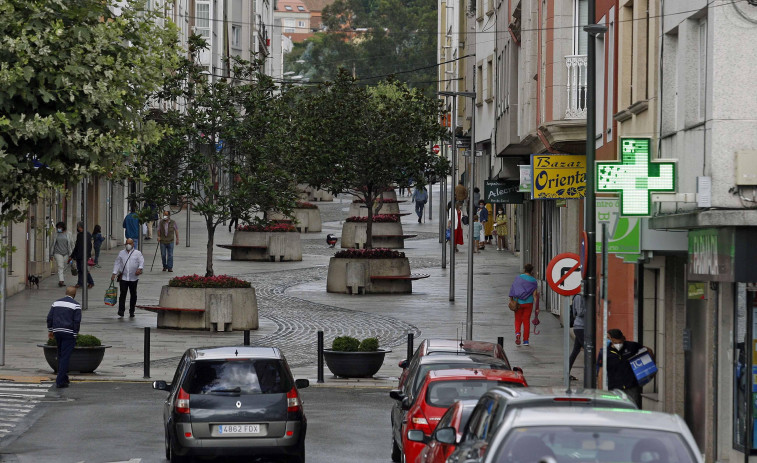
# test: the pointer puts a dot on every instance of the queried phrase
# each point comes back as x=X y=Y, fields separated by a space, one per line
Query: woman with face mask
x=61 y=246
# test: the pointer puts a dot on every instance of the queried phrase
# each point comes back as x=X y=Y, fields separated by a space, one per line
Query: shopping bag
x=447 y=234
x=74 y=270
x=111 y=294
x=91 y=261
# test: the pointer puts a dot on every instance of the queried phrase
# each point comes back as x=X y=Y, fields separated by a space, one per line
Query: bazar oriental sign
x=558 y=176
x=722 y=254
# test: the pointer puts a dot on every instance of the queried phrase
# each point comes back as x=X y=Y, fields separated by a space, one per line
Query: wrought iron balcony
x=576 y=87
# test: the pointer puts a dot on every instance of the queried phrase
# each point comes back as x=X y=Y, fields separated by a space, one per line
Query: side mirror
x=301 y=383
x=406 y=403
x=396 y=394
x=445 y=436
x=416 y=435
x=403 y=364
x=518 y=369
x=161 y=386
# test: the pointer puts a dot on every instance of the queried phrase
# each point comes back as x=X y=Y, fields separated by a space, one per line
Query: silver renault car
x=233 y=401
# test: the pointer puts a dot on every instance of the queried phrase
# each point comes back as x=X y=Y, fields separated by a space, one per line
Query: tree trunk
x=209 y=259
x=369 y=223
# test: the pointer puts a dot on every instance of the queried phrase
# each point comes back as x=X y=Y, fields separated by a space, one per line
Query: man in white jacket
x=129 y=265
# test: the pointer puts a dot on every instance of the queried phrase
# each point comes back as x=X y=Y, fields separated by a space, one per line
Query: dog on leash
x=33 y=280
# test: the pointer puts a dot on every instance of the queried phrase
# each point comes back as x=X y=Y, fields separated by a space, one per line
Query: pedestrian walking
x=168 y=234
x=476 y=196
x=476 y=234
x=522 y=291
x=60 y=250
x=63 y=322
x=501 y=228
x=420 y=197
x=619 y=372
x=483 y=217
x=458 y=217
x=131 y=227
x=488 y=224
x=153 y=218
x=78 y=255
x=97 y=242
x=126 y=271
x=461 y=193
x=578 y=310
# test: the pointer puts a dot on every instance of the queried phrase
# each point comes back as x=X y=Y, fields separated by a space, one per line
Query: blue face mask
x=60 y=230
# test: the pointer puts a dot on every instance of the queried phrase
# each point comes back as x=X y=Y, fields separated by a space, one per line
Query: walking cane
x=157 y=245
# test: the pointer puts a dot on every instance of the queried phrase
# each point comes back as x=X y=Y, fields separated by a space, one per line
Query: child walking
x=97 y=241
x=476 y=233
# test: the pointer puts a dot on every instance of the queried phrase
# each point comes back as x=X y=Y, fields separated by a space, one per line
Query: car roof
x=434 y=346
x=460 y=357
x=472 y=373
x=596 y=417
x=546 y=396
x=234 y=352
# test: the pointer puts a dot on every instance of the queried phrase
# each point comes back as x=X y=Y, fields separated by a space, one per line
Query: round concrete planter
x=361 y=210
x=244 y=308
x=354 y=364
x=307 y=220
x=83 y=359
x=354 y=235
x=266 y=246
x=353 y=276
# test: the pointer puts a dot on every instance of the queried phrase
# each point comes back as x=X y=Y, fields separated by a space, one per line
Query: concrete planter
x=354 y=364
x=353 y=276
x=243 y=308
x=361 y=210
x=354 y=235
x=83 y=359
x=306 y=220
x=266 y=246
x=308 y=193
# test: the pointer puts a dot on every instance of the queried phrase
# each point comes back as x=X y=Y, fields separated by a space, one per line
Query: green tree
x=225 y=151
x=74 y=82
x=360 y=140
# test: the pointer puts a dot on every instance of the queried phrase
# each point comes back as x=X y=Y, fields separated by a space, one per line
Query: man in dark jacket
x=78 y=255
x=619 y=372
x=63 y=322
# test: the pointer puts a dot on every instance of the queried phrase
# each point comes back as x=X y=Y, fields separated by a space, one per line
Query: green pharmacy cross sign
x=635 y=177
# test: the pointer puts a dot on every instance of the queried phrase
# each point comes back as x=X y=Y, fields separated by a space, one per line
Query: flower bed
x=274 y=227
x=305 y=205
x=197 y=281
x=376 y=253
x=379 y=218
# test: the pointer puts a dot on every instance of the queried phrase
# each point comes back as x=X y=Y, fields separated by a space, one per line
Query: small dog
x=33 y=280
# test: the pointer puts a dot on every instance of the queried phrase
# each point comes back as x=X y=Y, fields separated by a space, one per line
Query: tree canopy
x=75 y=78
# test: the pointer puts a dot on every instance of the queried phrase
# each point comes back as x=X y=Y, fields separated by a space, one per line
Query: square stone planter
x=353 y=276
x=385 y=235
x=307 y=220
x=361 y=210
x=244 y=308
x=266 y=246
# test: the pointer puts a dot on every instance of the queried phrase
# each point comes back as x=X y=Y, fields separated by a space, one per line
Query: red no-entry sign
x=436 y=149
x=564 y=274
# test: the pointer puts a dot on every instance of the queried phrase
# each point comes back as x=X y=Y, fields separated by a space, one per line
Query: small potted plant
x=86 y=357
x=351 y=358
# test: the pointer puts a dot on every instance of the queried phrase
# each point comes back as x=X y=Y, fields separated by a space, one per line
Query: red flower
x=378 y=218
x=218 y=281
x=305 y=205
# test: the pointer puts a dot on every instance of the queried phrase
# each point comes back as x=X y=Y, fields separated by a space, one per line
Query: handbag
x=513 y=304
x=91 y=261
x=111 y=294
x=74 y=270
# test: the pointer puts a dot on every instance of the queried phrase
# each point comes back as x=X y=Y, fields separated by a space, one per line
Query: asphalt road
x=121 y=422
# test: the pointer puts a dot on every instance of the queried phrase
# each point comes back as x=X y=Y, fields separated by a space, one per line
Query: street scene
x=347 y=231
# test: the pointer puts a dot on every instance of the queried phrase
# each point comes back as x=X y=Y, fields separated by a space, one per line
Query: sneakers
x=525 y=343
x=517 y=339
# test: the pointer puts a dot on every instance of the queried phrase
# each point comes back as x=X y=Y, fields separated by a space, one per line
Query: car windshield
x=445 y=393
x=423 y=369
x=258 y=376
x=593 y=444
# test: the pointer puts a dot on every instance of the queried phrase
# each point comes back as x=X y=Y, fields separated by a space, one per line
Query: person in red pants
x=523 y=291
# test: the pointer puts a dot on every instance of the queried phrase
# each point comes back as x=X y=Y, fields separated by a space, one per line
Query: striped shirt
x=64 y=316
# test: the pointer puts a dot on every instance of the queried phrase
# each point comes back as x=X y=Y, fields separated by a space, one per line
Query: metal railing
x=576 y=86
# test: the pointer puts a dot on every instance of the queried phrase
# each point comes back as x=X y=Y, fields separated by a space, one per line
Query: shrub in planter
x=380 y=218
x=271 y=227
x=350 y=358
x=87 y=355
x=369 y=345
x=345 y=344
x=375 y=253
x=305 y=205
x=218 y=281
x=82 y=340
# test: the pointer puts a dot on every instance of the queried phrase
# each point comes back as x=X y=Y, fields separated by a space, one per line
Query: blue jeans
x=419 y=208
x=166 y=255
x=66 y=343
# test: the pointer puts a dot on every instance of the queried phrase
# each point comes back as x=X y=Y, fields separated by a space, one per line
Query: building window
x=300 y=8
x=300 y=23
x=289 y=22
x=480 y=83
x=202 y=26
x=489 y=79
x=745 y=308
x=288 y=8
x=236 y=36
x=580 y=19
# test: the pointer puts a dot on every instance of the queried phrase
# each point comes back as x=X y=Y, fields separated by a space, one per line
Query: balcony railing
x=576 y=108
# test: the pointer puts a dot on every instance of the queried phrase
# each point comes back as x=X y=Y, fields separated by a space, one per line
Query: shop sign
x=558 y=176
x=624 y=232
x=696 y=290
x=525 y=179
x=502 y=192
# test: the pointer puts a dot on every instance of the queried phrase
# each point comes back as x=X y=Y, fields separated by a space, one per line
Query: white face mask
x=60 y=230
x=165 y=217
x=617 y=346
x=129 y=247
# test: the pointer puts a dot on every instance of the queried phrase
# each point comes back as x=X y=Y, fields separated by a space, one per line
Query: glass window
x=236 y=36
x=260 y=376
x=423 y=369
x=596 y=444
x=203 y=19
x=288 y=8
x=300 y=23
x=580 y=19
x=445 y=393
x=744 y=389
x=300 y=8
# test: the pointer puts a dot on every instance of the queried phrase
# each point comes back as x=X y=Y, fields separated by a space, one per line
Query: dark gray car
x=233 y=401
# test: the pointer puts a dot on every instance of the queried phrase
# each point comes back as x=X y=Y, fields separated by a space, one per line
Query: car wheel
x=396 y=452
x=167 y=441
x=300 y=457
x=173 y=457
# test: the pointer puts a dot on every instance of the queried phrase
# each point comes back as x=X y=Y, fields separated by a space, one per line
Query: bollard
x=246 y=337
x=409 y=346
x=501 y=341
x=320 y=357
x=147 y=352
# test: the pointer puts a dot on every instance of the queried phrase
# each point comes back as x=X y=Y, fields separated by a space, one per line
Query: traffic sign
x=436 y=149
x=564 y=274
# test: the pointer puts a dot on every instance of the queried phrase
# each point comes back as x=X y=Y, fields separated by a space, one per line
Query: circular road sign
x=564 y=274
x=436 y=149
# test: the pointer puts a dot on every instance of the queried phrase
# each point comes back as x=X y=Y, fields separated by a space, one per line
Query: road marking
x=16 y=401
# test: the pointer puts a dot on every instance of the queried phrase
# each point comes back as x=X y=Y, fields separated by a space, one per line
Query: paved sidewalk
x=294 y=305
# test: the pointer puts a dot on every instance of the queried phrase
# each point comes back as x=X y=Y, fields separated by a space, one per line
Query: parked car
x=452 y=346
x=233 y=401
x=439 y=390
x=600 y=435
x=492 y=407
x=454 y=419
x=417 y=371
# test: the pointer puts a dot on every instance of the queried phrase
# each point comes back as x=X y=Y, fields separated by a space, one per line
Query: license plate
x=236 y=429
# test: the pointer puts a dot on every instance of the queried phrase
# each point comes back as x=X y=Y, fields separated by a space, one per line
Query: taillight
x=293 y=401
x=418 y=421
x=182 y=402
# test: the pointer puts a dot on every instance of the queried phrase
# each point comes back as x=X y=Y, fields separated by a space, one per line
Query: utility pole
x=453 y=210
x=471 y=213
x=84 y=289
x=3 y=291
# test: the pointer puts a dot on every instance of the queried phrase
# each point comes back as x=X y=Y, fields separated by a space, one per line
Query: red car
x=455 y=419
x=440 y=389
